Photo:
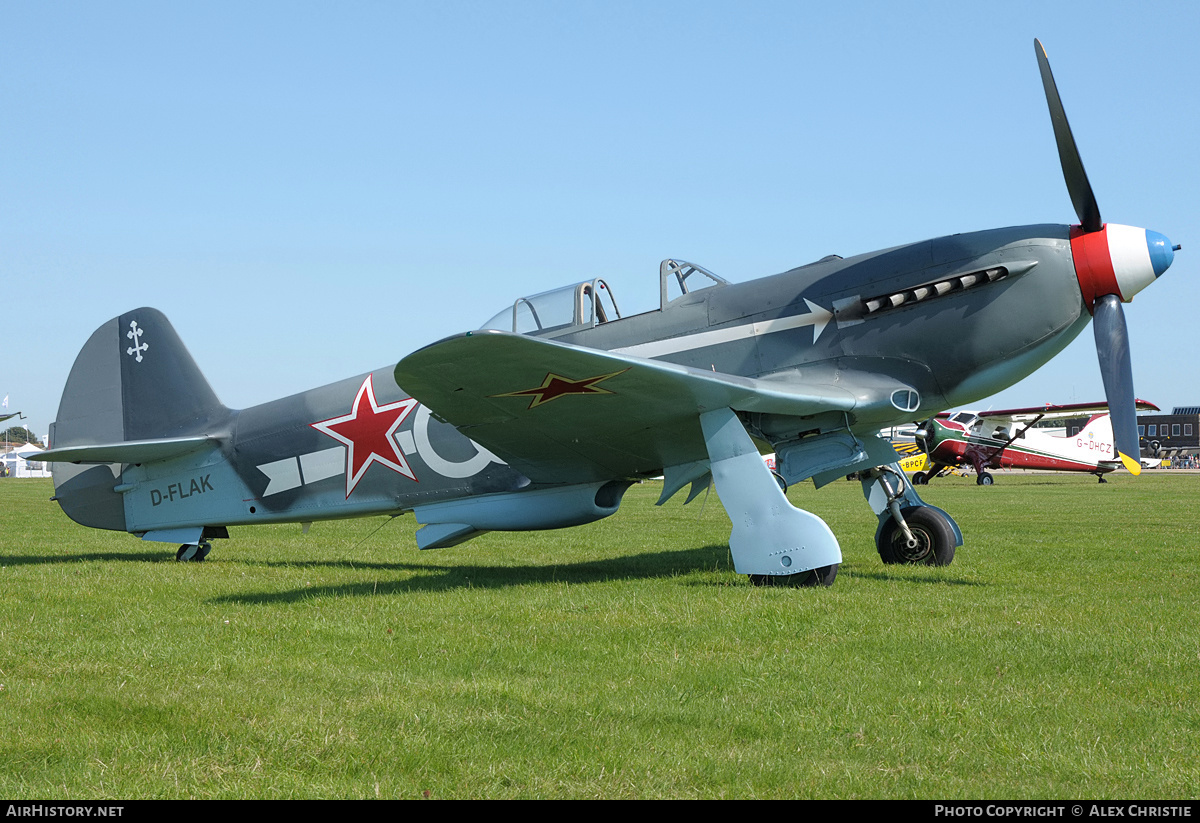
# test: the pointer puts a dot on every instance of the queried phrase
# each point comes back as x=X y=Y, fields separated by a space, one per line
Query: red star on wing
x=367 y=431
x=555 y=386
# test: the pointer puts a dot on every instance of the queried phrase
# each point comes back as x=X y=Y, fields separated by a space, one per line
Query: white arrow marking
x=816 y=317
x=282 y=474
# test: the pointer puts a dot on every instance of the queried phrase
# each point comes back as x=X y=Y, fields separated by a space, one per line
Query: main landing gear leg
x=772 y=541
x=910 y=530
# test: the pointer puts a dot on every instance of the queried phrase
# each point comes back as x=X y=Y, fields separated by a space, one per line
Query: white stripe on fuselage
x=311 y=467
x=817 y=317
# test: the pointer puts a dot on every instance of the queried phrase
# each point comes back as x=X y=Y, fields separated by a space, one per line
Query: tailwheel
x=823 y=576
x=984 y=479
x=932 y=543
x=193 y=553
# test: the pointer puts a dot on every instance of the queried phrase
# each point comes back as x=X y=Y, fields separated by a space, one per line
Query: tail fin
x=1099 y=426
x=134 y=380
x=133 y=395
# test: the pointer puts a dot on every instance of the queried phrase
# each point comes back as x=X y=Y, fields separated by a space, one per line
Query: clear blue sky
x=312 y=190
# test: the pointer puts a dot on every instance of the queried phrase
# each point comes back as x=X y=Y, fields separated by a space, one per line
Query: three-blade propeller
x=1112 y=263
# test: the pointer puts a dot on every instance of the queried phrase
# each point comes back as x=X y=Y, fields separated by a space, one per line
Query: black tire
x=984 y=479
x=919 y=479
x=189 y=553
x=823 y=576
x=935 y=539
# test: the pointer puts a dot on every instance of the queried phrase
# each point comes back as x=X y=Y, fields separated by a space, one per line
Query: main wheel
x=823 y=576
x=190 y=552
x=984 y=479
x=934 y=538
x=919 y=479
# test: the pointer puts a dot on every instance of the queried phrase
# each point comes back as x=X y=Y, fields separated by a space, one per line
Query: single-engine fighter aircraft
x=1009 y=439
x=544 y=416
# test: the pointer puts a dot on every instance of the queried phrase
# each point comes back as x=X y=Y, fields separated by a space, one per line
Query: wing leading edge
x=1056 y=412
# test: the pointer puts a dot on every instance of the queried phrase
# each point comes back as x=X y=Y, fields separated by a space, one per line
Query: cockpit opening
x=591 y=303
x=568 y=308
x=686 y=278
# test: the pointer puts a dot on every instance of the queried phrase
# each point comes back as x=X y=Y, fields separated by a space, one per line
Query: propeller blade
x=1078 y=186
x=1112 y=346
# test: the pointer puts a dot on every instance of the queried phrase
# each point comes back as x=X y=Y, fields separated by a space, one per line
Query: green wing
x=562 y=413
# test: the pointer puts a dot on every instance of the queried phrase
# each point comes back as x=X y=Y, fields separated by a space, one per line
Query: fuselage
x=1003 y=301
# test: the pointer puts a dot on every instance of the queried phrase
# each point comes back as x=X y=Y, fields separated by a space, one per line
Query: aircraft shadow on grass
x=434 y=578
x=82 y=557
x=431 y=578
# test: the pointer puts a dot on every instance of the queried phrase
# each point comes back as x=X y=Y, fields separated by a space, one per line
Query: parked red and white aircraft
x=1008 y=439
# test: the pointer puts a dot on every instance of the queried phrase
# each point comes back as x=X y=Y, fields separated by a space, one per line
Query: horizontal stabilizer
x=133 y=451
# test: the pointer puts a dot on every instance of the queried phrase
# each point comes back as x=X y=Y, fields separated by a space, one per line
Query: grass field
x=1058 y=657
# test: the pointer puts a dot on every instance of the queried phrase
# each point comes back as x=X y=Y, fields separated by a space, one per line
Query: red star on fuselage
x=367 y=432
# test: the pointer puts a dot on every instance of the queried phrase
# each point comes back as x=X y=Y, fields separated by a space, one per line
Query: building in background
x=21 y=461
x=1169 y=437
